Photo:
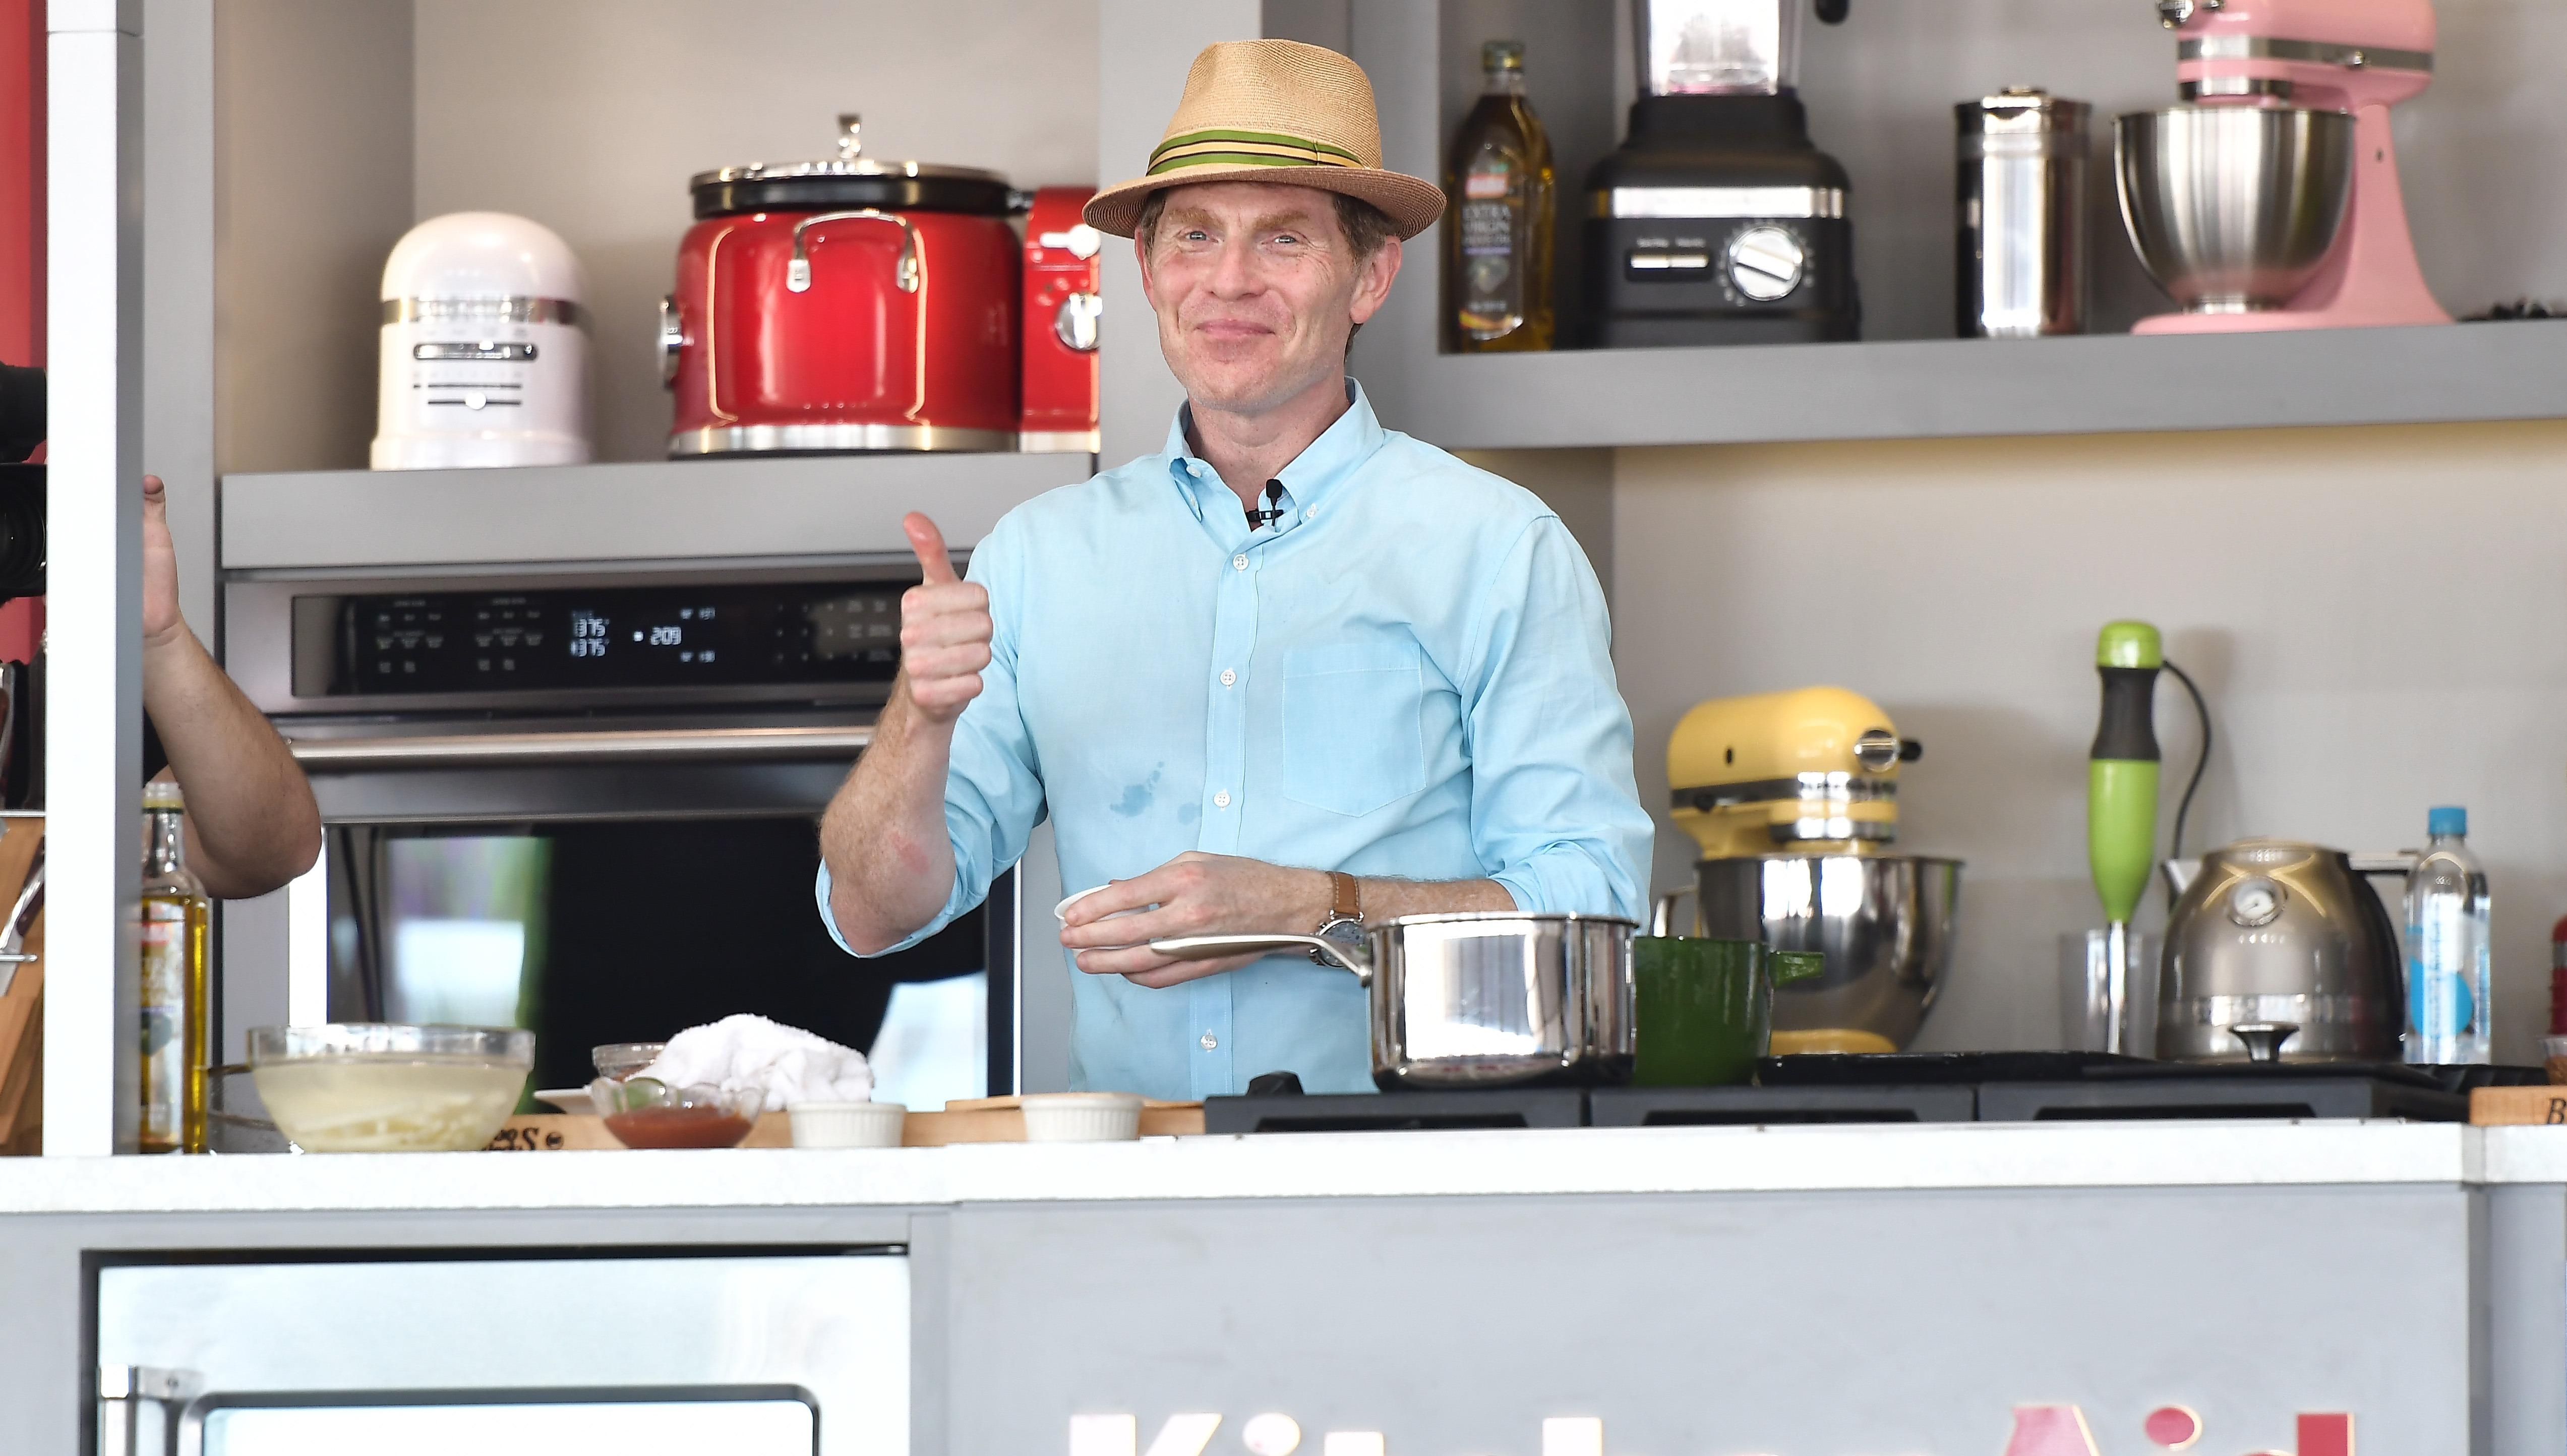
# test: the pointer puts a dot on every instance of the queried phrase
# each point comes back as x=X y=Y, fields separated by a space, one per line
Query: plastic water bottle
x=2448 y=948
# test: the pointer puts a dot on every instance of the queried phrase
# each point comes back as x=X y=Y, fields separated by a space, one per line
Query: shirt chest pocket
x=1354 y=724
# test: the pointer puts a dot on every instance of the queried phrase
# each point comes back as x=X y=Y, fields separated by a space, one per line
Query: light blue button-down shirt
x=1407 y=675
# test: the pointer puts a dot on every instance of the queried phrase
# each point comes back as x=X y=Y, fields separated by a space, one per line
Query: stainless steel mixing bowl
x=2234 y=208
x=1883 y=922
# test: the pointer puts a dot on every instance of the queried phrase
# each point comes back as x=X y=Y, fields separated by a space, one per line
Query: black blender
x=1718 y=222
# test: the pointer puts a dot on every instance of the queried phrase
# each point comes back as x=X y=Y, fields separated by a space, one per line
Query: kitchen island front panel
x=1800 y=1324
x=1694 y=1291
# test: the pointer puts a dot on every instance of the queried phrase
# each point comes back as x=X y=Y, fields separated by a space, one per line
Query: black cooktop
x=1910 y=1087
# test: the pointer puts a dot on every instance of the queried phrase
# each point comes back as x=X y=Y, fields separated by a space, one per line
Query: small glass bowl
x=2555 y=1050
x=643 y=1112
x=621 y=1059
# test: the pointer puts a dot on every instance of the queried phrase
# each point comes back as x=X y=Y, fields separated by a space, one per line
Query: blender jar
x=1719 y=47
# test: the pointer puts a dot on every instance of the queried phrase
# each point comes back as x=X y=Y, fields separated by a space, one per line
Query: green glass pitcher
x=1704 y=1009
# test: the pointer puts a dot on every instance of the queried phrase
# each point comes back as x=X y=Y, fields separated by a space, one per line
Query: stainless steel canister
x=1479 y=1000
x=2023 y=247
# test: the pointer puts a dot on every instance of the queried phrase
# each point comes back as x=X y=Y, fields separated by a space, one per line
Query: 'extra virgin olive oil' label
x=1492 y=300
x=163 y=960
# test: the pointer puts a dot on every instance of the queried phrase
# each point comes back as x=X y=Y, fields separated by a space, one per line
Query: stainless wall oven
x=583 y=799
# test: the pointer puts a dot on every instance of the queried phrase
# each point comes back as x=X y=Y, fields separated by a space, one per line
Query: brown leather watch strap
x=1349 y=892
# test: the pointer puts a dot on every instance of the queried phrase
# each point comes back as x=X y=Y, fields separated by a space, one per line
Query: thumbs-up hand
x=944 y=628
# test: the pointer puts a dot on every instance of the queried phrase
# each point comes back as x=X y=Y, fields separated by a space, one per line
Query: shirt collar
x=1310 y=477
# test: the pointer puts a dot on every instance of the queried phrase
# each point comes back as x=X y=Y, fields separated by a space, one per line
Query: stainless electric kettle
x=2277 y=934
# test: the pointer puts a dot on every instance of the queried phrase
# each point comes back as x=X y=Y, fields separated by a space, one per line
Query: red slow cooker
x=844 y=305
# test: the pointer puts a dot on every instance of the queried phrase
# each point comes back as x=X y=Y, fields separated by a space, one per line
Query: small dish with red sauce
x=644 y=1112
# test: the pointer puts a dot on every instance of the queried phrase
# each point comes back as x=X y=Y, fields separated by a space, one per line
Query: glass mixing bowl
x=375 y=1087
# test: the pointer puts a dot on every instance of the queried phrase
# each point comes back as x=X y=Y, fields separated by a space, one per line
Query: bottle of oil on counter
x=1497 y=216
x=177 y=1000
x=2447 y=950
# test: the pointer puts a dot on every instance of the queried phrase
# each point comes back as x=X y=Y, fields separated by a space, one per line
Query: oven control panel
x=625 y=637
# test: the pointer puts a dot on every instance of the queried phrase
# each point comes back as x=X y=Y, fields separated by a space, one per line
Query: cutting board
x=979 y=1120
x=2518 y=1106
x=563 y=1132
x=1002 y=1119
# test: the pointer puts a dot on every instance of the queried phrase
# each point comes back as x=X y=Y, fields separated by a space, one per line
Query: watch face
x=1346 y=934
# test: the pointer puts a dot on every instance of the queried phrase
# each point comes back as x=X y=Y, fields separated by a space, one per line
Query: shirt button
x=1228 y=678
x=1238 y=563
x=1220 y=801
x=1210 y=1041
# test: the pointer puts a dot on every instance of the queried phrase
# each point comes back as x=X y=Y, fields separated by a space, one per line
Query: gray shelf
x=1944 y=387
x=1890 y=122
x=706 y=509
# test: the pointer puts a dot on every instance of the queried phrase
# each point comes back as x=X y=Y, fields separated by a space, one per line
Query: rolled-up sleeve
x=1556 y=814
x=994 y=796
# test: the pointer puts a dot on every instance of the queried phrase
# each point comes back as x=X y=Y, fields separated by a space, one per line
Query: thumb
x=929 y=544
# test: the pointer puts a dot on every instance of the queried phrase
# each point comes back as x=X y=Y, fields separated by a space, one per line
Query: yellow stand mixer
x=1793 y=799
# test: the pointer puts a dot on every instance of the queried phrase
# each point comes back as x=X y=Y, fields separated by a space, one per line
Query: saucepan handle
x=1215 y=947
x=1662 y=919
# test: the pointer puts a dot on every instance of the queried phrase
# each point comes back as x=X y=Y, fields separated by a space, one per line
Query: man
x=1290 y=644
x=251 y=821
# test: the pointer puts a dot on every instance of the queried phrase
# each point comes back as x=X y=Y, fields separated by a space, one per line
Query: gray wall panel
x=589 y=118
x=312 y=179
x=178 y=286
x=1960 y=585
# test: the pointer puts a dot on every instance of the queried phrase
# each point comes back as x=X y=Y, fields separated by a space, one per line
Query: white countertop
x=1694 y=1160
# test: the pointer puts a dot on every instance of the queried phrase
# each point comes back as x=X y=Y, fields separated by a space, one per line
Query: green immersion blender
x=2122 y=802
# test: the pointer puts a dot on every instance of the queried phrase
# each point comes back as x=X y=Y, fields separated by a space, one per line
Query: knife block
x=22 y=1007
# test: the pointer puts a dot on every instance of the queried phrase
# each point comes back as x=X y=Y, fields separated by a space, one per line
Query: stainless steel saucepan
x=1479 y=1000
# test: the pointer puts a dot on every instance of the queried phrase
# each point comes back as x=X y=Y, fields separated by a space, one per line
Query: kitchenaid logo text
x=2039 y=1430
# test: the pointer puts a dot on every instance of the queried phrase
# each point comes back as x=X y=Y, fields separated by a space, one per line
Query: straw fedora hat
x=1274 y=112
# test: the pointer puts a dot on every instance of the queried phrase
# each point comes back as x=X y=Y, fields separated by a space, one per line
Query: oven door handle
x=122 y=1392
x=643 y=745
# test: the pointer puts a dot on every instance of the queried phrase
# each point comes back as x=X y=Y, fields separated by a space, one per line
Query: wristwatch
x=1344 y=925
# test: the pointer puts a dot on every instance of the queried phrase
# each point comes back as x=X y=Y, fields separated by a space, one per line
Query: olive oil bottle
x=177 y=1002
x=1497 y=216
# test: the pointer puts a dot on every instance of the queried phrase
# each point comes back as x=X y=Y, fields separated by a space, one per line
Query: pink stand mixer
x=2272 y=200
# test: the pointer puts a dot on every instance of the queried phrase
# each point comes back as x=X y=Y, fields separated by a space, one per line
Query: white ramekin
x=846 y=1124
x=1082 y=1116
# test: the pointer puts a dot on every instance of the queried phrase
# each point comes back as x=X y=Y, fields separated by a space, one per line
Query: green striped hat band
x=1225 y=147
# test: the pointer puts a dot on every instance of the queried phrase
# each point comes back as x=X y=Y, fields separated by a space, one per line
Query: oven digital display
x=635 y=637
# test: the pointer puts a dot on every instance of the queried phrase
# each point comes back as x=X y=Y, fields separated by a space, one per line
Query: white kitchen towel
x=788 y=1066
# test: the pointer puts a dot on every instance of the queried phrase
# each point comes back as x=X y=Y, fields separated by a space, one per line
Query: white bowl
x=1060 y=912
x=847 y=1124
x=1082 y=1116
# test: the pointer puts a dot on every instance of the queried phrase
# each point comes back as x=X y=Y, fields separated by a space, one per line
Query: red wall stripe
x=22 y=182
